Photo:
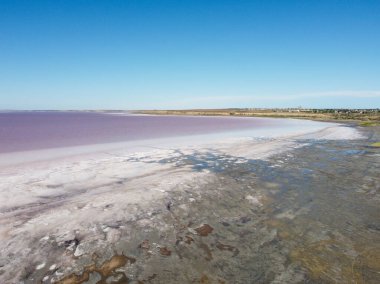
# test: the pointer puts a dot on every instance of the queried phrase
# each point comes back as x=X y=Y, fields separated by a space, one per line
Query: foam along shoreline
x=62 y=199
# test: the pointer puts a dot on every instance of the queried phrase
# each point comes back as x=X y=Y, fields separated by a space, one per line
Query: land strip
x=367 y=117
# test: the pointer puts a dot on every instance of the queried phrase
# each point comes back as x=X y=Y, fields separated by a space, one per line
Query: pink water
x=22 y=131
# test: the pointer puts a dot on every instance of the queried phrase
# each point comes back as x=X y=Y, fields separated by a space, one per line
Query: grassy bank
x=367 y=117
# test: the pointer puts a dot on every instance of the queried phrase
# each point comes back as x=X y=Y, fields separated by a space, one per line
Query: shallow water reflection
x=327 y=212
x=318 y=220
x=310 y=215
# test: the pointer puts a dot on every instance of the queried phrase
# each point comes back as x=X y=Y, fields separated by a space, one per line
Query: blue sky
x=139 y=54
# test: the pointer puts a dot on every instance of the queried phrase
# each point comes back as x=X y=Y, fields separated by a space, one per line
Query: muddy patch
x=204 y=230
x=106 y=271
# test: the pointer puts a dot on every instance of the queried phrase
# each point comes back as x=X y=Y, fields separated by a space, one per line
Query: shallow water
x=327 y=211
x=310 y=215
x=20 y=131
x=316 y=221
x=319 y=221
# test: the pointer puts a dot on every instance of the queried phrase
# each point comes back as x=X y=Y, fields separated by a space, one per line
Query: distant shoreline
x=371 y=116
x=361 y=117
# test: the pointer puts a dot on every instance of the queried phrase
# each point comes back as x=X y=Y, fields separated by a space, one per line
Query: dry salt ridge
x=288 y=208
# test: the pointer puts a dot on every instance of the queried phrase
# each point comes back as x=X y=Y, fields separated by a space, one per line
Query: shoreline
x=64 y=211
x=41 y=130
x=196 y=140
x=314 y=115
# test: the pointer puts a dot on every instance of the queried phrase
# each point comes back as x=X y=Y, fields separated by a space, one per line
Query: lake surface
x=22 y=131
x=203 y=214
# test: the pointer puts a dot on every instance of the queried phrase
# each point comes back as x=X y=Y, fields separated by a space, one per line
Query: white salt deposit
x=56 y=194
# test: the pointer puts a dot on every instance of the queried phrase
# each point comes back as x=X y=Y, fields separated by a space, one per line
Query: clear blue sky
x=133 y=54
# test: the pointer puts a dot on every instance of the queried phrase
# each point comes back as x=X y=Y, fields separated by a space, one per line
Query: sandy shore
x=88 y=210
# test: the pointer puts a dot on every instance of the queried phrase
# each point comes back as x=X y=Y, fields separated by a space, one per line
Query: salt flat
x=62 y=210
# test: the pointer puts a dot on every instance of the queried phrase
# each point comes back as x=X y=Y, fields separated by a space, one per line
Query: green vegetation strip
x=370 y=123
x=377 y=144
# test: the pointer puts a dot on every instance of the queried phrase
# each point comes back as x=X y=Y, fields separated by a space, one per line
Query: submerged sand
x=146 y=213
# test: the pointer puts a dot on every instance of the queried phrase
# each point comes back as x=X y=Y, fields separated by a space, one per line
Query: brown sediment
x=207 y=279
x=94 y=256
x=207 y=250
x=144 y=245
x=368 y=263
x=204 y=279
x=266 y=201
x=188 y=240
x=283 y=229
x=321 y=262
x=283 y=235
x=320 y=258
x=223 y=247
x=106 y=270
x=150 y=278
x=165 y=251
x=78 y=279
x=245 y=219
x=204 y=230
